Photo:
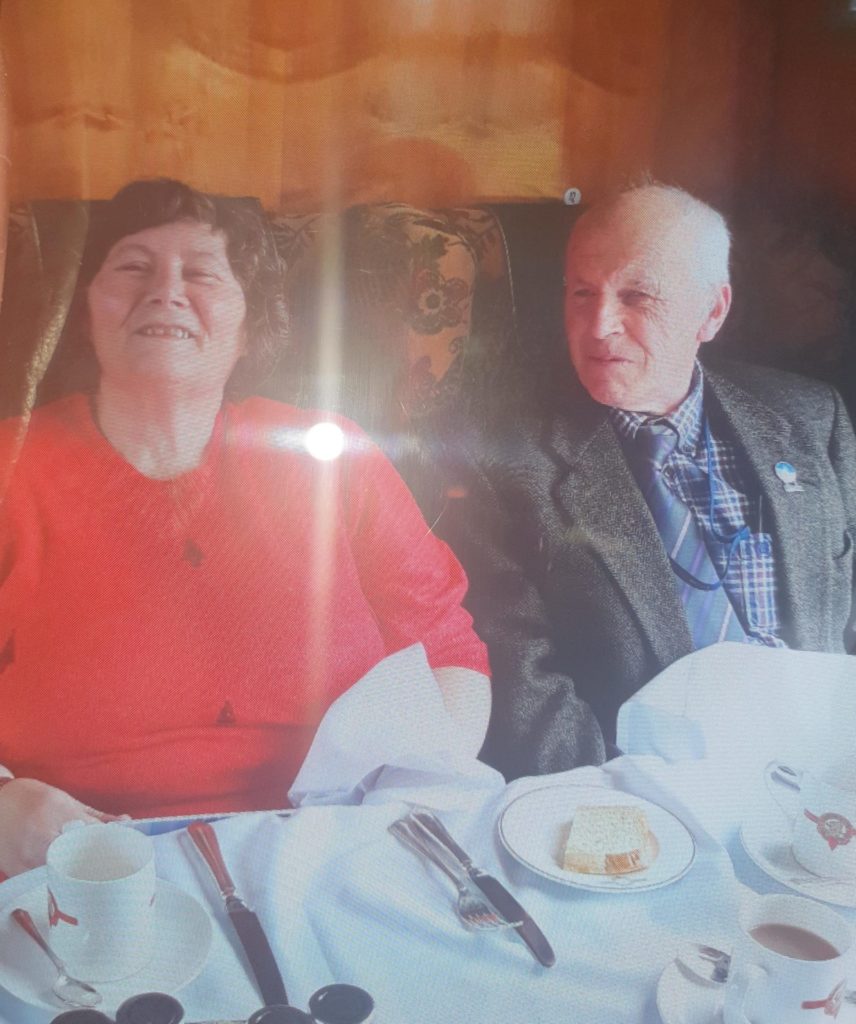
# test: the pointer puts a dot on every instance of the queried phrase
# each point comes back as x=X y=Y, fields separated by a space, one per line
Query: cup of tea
x=101 y=894
x=790 y=957
x=822 y=810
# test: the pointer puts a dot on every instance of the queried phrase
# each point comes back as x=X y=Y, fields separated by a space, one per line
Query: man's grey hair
x=709 y=228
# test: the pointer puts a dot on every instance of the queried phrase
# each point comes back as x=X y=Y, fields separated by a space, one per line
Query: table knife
x=495 y=891
x=244 y=921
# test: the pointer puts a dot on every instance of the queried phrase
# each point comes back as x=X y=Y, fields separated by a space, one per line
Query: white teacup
x=101 y=893
x=823 y=813
x=790 y=957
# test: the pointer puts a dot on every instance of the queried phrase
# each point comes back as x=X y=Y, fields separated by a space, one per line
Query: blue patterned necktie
x=710 y=614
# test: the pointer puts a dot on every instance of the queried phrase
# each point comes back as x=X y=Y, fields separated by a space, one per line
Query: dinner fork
x=473 y=909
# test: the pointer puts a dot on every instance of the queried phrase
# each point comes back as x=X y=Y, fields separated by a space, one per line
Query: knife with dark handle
x=495 y=891
x=244 y=921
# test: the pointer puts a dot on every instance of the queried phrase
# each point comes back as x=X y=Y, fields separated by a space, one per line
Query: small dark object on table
x=150 y=1008
x=280 y=1015
x=341 y=1004
x=82 y=1017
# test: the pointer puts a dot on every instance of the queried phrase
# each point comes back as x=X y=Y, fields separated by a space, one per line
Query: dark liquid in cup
x=794 y=942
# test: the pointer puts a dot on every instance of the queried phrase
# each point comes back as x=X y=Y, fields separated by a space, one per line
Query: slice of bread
x=611 y=839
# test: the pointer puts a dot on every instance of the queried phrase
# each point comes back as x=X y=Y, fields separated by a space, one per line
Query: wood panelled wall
x=425 y=101
x=814 y=116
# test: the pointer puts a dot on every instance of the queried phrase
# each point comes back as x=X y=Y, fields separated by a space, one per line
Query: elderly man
x=655 y=506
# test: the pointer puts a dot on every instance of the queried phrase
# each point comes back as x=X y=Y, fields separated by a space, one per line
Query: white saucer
x=534 y=830
x=683 y=999
x=767 y=840
x=183 y=934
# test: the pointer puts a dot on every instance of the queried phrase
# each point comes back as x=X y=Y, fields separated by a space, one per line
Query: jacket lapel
x=764 y=436
x=598 y=494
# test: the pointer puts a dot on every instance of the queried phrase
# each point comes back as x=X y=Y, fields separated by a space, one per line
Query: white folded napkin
x=390 y=733
x=742 y=705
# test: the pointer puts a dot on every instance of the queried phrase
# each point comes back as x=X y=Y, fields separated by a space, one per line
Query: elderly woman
x=184 y=589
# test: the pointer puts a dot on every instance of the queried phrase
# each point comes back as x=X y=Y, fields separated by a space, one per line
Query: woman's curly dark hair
x=249 y=246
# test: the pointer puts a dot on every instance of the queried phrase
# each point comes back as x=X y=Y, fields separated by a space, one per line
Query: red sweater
x=168 y=647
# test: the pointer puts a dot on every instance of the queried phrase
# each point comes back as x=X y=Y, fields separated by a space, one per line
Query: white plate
x=767 y=840
x=534 y=830
x=683 y=999
x=183 y=934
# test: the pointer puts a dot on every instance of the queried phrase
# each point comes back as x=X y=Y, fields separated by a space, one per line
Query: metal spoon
x=707 y=963
x=67 y=989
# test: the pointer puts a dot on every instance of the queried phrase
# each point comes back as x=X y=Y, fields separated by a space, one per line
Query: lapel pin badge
x=788 y=475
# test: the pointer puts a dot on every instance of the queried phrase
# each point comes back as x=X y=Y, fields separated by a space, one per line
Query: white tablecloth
x=343 y=901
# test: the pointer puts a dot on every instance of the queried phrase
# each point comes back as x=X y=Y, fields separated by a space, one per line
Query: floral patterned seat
x=408 y=290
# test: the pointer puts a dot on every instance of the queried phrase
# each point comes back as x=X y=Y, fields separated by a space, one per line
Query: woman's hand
x=32 y=815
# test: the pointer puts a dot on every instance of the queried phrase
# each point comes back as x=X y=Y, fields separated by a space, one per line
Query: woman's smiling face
x=165 y=309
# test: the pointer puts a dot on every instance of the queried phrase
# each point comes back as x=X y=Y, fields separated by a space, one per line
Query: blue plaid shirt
x=750 y=580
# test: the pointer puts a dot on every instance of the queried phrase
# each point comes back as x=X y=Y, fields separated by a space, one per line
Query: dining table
x=342 y=901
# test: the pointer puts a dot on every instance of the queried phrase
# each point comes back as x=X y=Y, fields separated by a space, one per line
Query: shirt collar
x=686 y=420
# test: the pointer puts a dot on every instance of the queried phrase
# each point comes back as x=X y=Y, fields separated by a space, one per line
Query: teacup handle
x=784 y=784
x=747 y=978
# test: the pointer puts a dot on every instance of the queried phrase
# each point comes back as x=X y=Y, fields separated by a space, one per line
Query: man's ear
x=717 y=312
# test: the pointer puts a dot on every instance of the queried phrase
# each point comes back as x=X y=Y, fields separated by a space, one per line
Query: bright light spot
x=325 y=441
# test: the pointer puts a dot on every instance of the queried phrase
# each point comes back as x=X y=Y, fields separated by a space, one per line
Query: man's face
x=635 y=311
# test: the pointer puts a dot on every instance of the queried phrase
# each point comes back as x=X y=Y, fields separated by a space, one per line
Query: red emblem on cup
x=55 y=915
x=834 y=828
x=831 y=1005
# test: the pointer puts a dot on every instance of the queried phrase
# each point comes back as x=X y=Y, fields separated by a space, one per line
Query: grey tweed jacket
x=570 y=586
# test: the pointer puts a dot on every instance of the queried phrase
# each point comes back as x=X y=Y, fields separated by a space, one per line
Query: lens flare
x=325 y=441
